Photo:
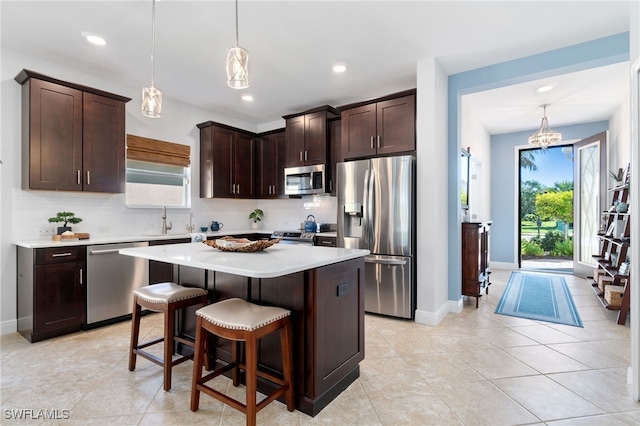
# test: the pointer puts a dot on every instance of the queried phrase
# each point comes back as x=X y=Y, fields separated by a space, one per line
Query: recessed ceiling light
x=247 y=98
x=94 y=39
x=338 y=68
x=544 y=89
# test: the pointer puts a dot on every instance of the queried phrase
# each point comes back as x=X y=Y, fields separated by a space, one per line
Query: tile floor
x=475 y=368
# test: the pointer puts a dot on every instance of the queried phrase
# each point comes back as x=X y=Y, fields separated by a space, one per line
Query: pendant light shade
x=151 y=96
x=545 y=136
x=237 y=63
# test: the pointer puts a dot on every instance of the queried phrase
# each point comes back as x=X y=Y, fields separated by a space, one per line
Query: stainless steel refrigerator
x=376 y=211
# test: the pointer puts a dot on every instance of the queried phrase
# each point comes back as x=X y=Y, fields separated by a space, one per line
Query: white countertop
x=112 y=239
x=275 y=261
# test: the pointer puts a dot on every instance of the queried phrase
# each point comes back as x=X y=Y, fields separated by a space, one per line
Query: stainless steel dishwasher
x=111 y=279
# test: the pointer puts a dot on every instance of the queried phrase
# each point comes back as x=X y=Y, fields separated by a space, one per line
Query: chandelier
x=545 y=136
x=151 y=96
x=237 y=63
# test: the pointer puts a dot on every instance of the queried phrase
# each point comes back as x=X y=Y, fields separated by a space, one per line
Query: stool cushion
x=167 y=293
x=238 y=314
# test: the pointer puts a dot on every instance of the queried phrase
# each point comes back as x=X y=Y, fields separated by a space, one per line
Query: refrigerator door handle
x=370 y=201
x=384 y=260
x=366 y=207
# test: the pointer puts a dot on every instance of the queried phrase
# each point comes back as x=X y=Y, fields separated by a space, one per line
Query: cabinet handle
x=331 y=186
x=78 y=177
x=60 y=254
x=326 y=243
x=300 y=155
x=88 y=177
x=371 y=142
x=238 y=189
x=305 y=156
x=378 y=141
x=81 y=283
x=233 y=188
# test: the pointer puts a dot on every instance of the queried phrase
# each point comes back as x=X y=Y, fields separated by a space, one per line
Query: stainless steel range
x=294 y=237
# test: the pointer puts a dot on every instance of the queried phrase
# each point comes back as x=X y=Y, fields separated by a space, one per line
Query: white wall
x=431 y=171
x=24 y=212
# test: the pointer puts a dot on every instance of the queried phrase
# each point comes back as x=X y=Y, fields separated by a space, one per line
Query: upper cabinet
x=386 y=126
x=227 y=162
x=307 y=136
x=270 y=153
x=73 y=136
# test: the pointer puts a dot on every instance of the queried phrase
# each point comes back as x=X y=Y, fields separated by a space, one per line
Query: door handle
x=106 y=251
x=61 y=254
x=88 y=177
x=384 y=261
x=81 y=283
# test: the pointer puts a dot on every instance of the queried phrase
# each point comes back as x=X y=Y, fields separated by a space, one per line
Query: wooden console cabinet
x=475 y=259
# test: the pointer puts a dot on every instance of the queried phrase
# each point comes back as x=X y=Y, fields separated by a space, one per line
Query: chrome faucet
x=165 y=227
x=190 y=226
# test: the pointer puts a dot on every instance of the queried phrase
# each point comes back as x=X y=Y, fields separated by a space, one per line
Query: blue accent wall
x=504 y=179
x=591 y=54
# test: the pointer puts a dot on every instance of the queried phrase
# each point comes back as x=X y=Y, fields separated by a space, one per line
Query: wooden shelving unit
x=615 y=242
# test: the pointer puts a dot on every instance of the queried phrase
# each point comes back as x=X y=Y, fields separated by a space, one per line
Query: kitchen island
x=323 y=287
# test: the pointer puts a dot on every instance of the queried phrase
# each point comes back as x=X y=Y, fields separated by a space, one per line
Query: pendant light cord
x=237 y=44
x=153 y=36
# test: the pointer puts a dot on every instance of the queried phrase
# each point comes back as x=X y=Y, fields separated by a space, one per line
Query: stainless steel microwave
x=305 y=180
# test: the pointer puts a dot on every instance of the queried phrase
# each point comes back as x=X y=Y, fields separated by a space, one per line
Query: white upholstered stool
x=238 y=320
x=168 y=298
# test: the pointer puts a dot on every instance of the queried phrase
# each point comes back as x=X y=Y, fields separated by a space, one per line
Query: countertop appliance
x=294 y=237
x=376 y=211
x=111 y=279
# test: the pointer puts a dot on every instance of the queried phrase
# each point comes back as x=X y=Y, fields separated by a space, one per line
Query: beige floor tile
x=591 y=354
x=412 y=407
x=545 y=360
x=606 y=419
x=482 y=403
x=496 y=363
x=546 y=399
x=544 y=334
x=504 y=337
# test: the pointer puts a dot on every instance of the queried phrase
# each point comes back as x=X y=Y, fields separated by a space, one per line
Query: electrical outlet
x=45 y=231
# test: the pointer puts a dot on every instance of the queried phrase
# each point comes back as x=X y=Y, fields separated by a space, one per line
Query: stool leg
x=135 y=333
x=201 y=336
x=251 y=378
x=235 y=373
x=287 y=365
x=169 y=324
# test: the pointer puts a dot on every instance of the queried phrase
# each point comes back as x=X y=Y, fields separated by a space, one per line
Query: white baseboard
x=434 y=318
x=8 y=327
x=503 y=265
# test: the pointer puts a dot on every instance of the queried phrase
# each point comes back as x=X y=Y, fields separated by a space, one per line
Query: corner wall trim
x=8 y=327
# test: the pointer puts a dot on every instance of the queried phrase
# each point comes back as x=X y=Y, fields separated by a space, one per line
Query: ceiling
x=293 y=45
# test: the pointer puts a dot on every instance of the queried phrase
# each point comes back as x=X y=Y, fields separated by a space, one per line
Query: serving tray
x=244 y=247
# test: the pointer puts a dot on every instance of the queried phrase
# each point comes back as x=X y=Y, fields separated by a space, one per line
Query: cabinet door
x=52 y=152
x=103 y=144
x=335 y=152
x=59 y=296
x=396 y=128
x=222 y=162
x=295 y=141
x=244 y=166
x=265 y=159
x=358 y=131
x=315 y=138
x=280 y=142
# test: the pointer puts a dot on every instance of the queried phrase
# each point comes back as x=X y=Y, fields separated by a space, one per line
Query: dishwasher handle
x=104 y=251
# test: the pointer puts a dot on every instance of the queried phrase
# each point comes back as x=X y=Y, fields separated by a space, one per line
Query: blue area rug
x=539 y=297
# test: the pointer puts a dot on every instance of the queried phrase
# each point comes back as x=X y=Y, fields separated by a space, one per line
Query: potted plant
x=256 y=217
x=618 y=177
x=66 y=217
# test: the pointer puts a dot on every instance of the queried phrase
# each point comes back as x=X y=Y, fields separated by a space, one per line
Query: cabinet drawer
x=326 y=241
x=60 y=254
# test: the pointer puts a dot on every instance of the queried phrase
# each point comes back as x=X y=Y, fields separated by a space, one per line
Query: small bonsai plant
x=617 y=176
x=66 y=217
x=256 y=216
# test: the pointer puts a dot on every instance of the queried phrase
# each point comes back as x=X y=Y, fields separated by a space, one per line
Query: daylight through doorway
x=546 y=182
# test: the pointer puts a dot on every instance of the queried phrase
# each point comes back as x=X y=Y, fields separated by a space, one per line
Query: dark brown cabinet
x=51 y=291
x=270 y=164
x=475 y=259
x=73 y=137
x=307 y=137
x=379 y=128
x=227 y=162
x=335 y=152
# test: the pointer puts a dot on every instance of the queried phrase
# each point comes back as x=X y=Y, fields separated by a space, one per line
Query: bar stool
x=238 y=320
x=167 y=298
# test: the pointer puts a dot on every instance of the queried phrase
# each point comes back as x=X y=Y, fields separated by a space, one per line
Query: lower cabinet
x=51 y=291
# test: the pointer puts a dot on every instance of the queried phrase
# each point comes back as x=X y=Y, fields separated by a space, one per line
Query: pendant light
x=545 y=136
x=151 y=96
x=237 y=63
